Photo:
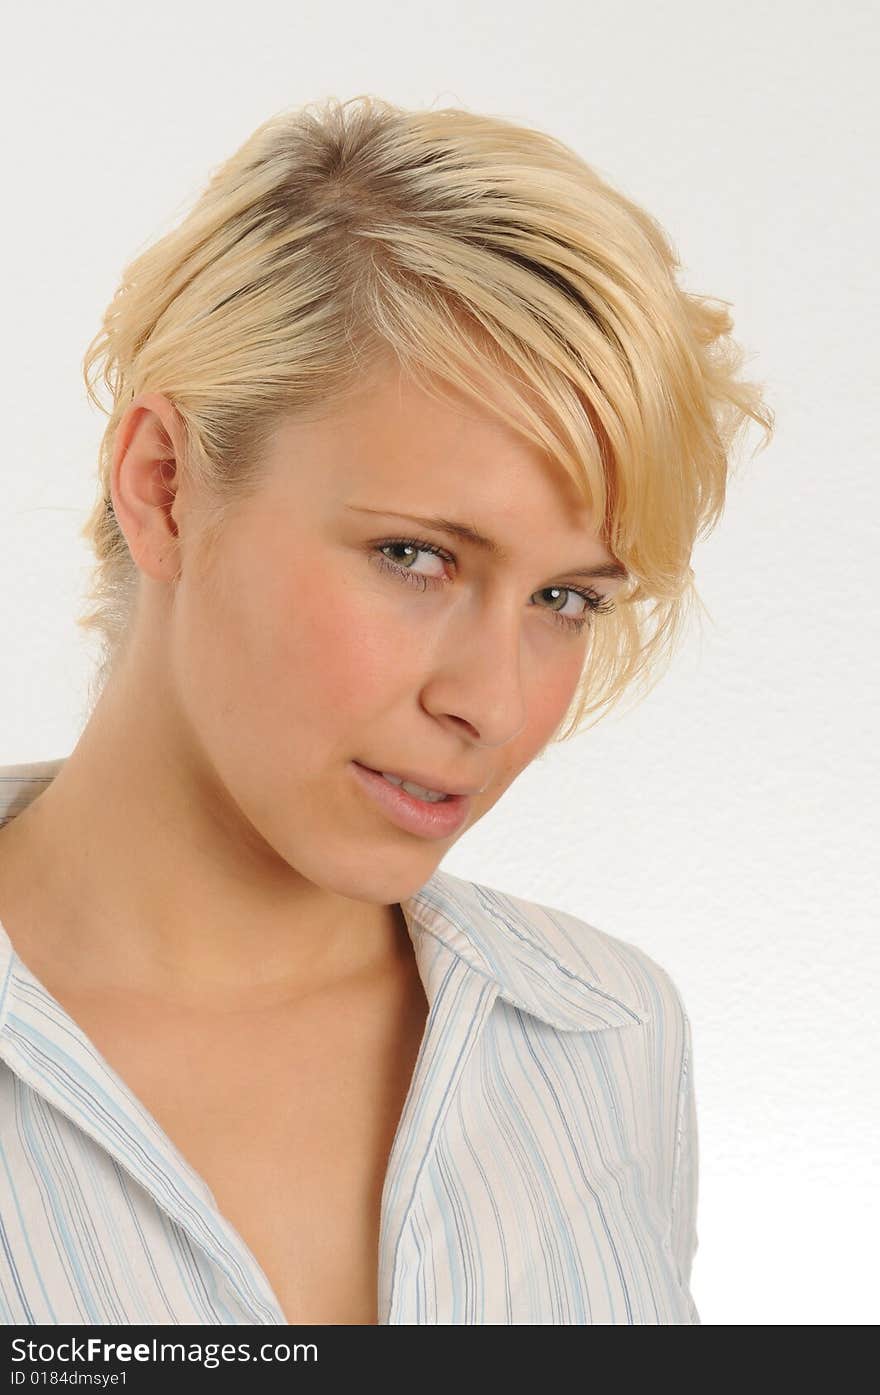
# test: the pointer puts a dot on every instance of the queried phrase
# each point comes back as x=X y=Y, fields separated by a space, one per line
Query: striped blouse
x=544 y=1168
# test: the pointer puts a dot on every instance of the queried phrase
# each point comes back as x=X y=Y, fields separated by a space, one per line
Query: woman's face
x=324 y=636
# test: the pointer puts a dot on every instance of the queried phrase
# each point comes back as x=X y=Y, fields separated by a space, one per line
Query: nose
x=478 y=683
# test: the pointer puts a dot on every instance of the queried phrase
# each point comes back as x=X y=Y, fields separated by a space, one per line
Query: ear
x=145 y=477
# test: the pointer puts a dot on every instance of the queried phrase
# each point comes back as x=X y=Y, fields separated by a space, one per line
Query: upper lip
x=426 y=782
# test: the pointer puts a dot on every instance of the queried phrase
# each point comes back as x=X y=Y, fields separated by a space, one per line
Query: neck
x=134 y=872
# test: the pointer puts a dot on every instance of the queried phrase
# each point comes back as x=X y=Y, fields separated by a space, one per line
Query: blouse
x=544 y=1169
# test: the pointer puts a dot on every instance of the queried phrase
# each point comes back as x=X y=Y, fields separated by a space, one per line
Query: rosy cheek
x=338 y=642
x=548 y=704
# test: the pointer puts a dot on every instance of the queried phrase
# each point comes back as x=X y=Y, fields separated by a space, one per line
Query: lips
x=424 y=783
x=441 y=818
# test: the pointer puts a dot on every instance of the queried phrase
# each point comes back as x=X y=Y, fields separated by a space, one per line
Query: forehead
x=430 y=449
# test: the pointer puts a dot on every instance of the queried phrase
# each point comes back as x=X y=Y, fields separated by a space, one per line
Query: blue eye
x=595 y=604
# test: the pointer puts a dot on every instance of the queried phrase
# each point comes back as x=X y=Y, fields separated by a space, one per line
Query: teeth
x=432 y=796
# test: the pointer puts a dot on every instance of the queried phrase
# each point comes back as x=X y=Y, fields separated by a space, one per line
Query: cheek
x=313 y=643
x=338 y=643
x=556 y=693
x=550 y=698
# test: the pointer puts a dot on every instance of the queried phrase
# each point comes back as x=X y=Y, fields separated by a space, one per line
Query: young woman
x=412 y=430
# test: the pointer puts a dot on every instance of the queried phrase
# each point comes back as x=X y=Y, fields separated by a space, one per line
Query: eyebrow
x=465 y=533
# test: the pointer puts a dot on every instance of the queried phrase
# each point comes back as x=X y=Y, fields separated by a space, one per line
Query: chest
x=289 y=1118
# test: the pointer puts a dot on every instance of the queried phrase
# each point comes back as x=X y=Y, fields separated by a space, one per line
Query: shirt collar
x=544 y=961
x=548 y=962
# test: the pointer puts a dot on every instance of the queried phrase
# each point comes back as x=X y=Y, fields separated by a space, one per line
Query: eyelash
x=597 y=605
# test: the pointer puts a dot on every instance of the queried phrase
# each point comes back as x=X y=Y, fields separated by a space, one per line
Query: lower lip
x=437 y=820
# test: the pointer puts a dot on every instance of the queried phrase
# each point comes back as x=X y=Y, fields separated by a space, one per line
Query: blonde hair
x=462 y=243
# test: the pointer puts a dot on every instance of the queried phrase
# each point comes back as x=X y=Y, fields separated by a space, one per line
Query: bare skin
x=204 y=886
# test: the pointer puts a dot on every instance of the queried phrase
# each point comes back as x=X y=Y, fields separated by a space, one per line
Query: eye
x=411 y=547
x=592 y=602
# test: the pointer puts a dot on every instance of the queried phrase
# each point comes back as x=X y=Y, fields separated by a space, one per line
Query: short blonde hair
x=342 y=230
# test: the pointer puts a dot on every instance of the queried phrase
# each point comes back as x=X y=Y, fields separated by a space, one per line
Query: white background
x=727 y=824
